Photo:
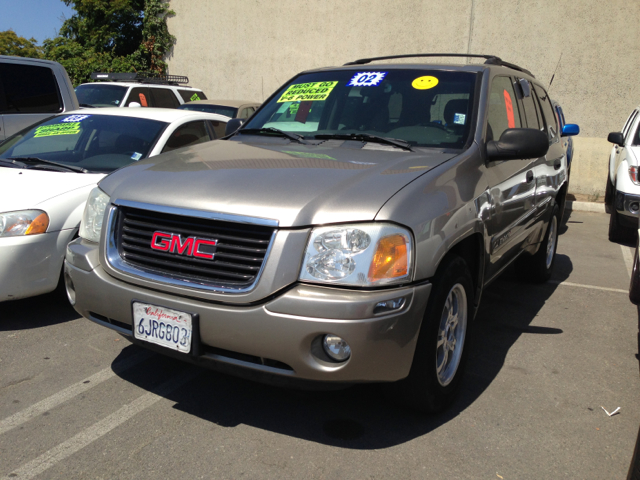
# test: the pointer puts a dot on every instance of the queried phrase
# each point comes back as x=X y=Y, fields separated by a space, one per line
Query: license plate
x=162 y=326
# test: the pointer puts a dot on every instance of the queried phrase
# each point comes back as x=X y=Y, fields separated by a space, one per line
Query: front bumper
x=30 y=265
x=272 y=340
x=628 y=205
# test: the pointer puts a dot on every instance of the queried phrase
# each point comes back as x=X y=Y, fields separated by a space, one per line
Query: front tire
x=539 y=267
x=441 y=350
x=619 y=233
x=609 y=195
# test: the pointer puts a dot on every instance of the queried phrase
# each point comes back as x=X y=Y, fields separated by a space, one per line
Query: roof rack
x=489 y=59
x=141 y=77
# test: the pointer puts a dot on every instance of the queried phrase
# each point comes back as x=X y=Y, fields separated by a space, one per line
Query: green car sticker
x=194 y=97
x=71 y=128
x=314 y=91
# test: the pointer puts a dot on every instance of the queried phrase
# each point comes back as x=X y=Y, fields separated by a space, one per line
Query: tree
x=12 y=44
x=112 y=36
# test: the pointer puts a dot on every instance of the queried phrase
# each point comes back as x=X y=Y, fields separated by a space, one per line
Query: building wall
x=245 y=49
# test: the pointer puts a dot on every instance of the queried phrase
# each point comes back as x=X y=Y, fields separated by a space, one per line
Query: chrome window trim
x=116 y=262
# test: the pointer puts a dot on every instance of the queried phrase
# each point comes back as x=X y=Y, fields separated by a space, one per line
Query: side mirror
x=617 y=138
x=134 y=104
x=518 y=143
x=233 y=125
x=570 y=129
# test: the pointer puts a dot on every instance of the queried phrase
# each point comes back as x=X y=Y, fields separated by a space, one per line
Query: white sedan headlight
x=23 y=222
x=367 y=254
x=93 y=215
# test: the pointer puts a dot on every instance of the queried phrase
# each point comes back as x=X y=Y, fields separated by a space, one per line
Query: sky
x=39 y=19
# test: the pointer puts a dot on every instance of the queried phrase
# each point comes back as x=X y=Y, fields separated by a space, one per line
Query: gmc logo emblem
x=191 y=246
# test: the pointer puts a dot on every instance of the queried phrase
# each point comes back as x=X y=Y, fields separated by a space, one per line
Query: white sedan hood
x=21 y=189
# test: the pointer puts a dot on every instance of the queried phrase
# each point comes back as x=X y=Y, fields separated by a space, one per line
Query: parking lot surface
x=78 y=401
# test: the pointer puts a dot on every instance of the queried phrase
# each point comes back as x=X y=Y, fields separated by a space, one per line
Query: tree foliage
x=12 y=44
x=109 y=36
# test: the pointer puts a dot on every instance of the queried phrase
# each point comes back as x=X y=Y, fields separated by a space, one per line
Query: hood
x=295 y=184
x=23 y=189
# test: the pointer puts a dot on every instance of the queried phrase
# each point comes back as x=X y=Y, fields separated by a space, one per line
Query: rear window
x=28 y=89
x=192 y=95
x=100 y=95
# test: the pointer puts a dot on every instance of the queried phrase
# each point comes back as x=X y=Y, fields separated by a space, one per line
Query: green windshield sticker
x=321 y=156
x=314 y=91
x=71 y=128
x=293 y=108
x=194 y=97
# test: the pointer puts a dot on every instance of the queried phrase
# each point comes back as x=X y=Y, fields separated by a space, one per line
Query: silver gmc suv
x=343 y=234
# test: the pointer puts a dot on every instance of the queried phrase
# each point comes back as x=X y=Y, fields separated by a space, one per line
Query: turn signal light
x=390 y=259
x=39 y=225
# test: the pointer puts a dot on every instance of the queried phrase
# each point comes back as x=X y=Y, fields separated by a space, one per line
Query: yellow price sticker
x=307 y=92
x=72 y=128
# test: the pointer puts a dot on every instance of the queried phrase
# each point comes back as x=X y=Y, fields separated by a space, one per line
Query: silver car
x=344 y=234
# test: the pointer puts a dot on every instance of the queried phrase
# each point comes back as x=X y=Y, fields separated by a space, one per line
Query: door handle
x=557 y=164
x=529 y=176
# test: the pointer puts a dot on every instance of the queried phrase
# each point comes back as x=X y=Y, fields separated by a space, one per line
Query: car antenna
x=554 y=73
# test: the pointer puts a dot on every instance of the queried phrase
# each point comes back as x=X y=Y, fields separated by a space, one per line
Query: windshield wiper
x=258 y=131
x=39 y=161
x=86 y=105
x=366 y=137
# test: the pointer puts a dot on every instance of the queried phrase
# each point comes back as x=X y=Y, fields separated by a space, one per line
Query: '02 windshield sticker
x=74 y=118
x=366 y=79
x=314 y=91
x=57 y=129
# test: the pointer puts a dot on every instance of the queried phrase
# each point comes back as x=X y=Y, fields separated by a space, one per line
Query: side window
x=29 y=89
x=164 y=98
x=531 y=112
x=631 y=127
x=547 y=112
x=503 y=108
x=244 y=113
x=629 y=122
x=218 y=128
x=187 y=134
x=140 y=95
x=192 y=95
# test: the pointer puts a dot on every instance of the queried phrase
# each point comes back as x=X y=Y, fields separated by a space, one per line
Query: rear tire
x=441 y=350
x=539 y=267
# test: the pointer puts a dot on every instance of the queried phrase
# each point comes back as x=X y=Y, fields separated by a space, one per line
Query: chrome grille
x=239 y=254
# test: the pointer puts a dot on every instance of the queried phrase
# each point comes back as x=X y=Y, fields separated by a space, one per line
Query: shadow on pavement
x=360 y=417
x=36 y=312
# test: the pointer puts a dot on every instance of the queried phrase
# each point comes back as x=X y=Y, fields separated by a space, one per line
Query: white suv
x=622 y=197
x=133 y=90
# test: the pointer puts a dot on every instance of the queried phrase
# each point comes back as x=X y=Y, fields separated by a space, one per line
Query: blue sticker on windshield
x=136 y=156
x=366 y=79
x=75 y=118
x=459 y=118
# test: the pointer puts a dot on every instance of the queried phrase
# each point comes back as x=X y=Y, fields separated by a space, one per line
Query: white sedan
x=48 y=170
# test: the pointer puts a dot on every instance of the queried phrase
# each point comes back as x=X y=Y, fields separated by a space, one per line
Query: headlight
x=23 y=222
x=91 y=224
x=368 y=254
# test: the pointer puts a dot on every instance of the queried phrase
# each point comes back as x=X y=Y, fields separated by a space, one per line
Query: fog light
x=634 y=207
x=71 y=291
x=337 y=348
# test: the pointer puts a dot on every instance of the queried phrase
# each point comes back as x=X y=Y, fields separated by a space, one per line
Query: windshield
x=100 y=95
x=426 y=108
x=203 y=107
x=97 y=143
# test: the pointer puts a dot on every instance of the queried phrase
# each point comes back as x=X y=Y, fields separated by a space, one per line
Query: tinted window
x=187 y=134
x=426 y=108
x=100 y=95
x=531 y=112
x=547 y=111
x=218 y=128
x=192 y=95
x=140 y=95
x=99 y=143
x=29 y=89
x=165 y=98
x=503 y=108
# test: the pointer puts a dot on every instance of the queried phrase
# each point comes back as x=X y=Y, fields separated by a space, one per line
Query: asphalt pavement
x=79 y=401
